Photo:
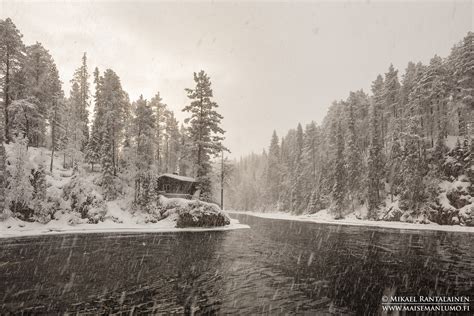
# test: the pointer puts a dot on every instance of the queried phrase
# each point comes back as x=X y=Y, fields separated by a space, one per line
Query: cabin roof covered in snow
x=177 y=177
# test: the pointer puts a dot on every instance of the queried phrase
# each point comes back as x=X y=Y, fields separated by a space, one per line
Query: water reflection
x=275 y=267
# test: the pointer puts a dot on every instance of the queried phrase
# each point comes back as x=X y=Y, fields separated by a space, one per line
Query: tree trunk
x=2 y=174
x=113 y=151
x=222 y=181
x=53 y=135
x=6 y=93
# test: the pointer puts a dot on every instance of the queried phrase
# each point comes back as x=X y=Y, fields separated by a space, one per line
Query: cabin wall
x=174 y=186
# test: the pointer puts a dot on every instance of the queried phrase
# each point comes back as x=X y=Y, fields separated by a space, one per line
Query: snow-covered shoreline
x=13 y=227
x=351 y=220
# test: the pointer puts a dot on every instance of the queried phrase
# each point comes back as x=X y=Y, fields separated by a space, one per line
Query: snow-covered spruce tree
x=76 y=133
x=42 y=209
x=470 y=167
x=94 y=144
x=56 y=111
x=185 y=152
x=41 y=81
x=340 y=176
x=394 y=165
x=374 y=163
x=273 y=172
x=439 y=153
x=284 y=194
x=204 y=130
x=12 y=52
x=106 y=161
x=81 y=100
x=297 y=194
x=113 y=110
x=391 y=109
x=463 y=66
x=379 y=104
x=92 y=155
x=352 y=157
x=311 y=166
x=144 y=124
x=160 y=113
x=413 y=193
x=431 y=92
x=38 y=181
x=172 y=144
x=19 y=190
x=414 y=166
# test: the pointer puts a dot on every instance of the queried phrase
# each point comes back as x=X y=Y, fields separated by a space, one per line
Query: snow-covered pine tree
x=340 y=176
x=204 y=129
x=24 y=118
x=81 y=99
x=12 y=52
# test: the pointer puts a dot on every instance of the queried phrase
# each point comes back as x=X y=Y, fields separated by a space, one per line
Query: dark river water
x=276 y=267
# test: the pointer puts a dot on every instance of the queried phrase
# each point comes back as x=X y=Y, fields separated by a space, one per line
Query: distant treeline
x=372 y=149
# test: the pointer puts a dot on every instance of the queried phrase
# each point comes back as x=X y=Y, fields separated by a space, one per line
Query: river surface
x=275 y=267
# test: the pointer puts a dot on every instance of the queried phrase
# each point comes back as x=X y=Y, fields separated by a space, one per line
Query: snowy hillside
x=74 y=202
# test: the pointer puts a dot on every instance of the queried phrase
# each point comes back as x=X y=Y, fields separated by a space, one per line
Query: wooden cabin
x=173 y=185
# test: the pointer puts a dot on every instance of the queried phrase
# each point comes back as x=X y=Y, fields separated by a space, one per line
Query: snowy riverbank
x=323 y=217
x=13 y=227
x=74 y=203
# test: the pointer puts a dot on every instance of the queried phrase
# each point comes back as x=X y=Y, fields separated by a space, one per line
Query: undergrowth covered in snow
x=65 y=199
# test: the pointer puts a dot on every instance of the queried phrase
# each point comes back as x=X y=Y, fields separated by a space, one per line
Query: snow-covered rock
x=193 y=213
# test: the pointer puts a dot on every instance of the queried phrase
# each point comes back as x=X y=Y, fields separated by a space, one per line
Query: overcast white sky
x=272 y=64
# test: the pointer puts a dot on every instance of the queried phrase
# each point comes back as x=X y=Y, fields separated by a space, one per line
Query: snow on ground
x=323 y=217
x=118 y=215
x=13 y=227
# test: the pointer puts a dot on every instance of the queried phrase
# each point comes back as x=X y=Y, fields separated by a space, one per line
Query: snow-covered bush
x=19 y=189
x=38 y=182
x=42 y=211
x=84 y=199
